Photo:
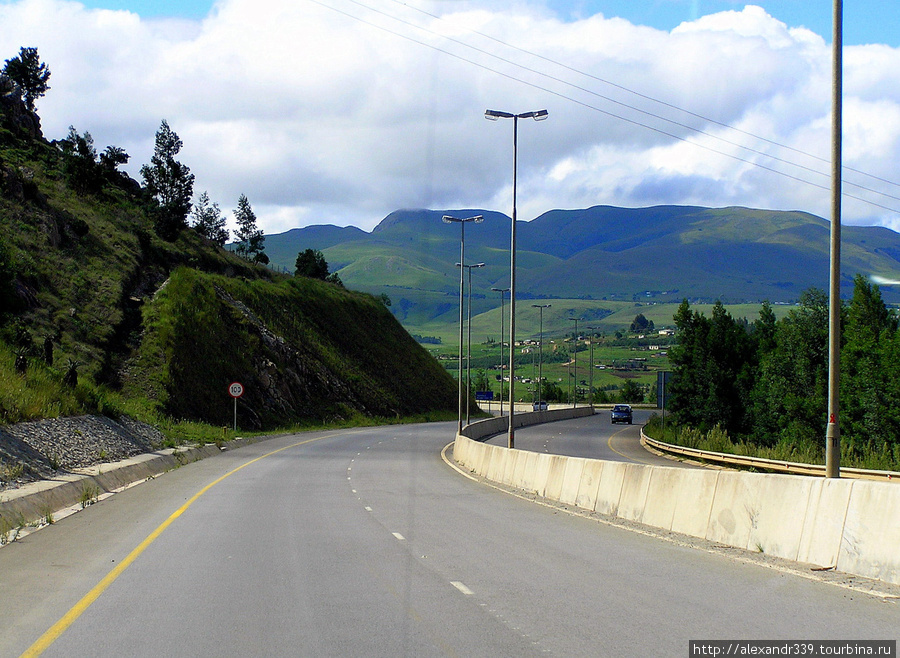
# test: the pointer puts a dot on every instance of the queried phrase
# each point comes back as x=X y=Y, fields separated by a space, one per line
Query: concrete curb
x=35 y=501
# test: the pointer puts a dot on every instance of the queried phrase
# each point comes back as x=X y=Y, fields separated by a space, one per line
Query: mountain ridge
x=733 y=254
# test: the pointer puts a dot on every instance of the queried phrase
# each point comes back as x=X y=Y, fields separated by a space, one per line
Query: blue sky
x=863 y=20
x=329 y=112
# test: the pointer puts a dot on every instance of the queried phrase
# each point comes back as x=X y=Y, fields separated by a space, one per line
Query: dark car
x=621 y=413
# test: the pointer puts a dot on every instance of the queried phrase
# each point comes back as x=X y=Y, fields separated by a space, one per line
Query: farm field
x=619 y=354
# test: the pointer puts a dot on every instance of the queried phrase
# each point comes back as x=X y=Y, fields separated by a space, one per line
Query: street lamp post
x=469 y=340
x=501 y=291
x=575 y=366
x=462 y=259
x=541 y=351
x=493 y=115
x=591 y=370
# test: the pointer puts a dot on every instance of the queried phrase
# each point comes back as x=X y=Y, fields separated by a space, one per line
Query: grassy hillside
x=601 y=254
x=302 y=348
x=157 y=329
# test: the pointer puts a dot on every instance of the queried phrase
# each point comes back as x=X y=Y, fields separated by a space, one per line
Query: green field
x=612 y=364
x=611 y=354
x=606 y=317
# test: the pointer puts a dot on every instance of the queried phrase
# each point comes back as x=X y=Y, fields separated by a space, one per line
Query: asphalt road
x=592 y=436
x=365 y=543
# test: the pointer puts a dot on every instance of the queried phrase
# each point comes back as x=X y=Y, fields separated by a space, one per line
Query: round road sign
x=236 y=389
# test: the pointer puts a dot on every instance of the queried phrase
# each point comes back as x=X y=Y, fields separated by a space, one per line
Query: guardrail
x=770 y=465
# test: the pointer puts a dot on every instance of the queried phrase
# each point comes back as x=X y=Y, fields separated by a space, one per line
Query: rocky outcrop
x=15 y=114
x=290 y=382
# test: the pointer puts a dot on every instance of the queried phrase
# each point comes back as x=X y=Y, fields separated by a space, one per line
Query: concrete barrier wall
x=851 y=525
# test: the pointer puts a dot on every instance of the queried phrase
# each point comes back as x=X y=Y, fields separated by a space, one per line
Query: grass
x=89 y=494
x=718 y=440
x=10 y=527
x=10 y=472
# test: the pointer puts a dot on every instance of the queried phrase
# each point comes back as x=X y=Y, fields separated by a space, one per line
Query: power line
x=613 y=114
x=654 y=100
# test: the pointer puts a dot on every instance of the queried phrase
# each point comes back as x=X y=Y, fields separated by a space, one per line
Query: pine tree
x=170 y=183
x=249 y=237
x=30 y=74
x=209 y=221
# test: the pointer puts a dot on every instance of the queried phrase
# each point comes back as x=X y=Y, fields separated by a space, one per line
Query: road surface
x=591 y=436
x=366 y=543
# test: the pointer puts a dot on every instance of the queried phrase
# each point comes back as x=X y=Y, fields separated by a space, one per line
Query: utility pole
x=833 y=429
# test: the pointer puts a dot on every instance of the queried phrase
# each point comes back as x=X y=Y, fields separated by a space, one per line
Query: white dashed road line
x=462 y=588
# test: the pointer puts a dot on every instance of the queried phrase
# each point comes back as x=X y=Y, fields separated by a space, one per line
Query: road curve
x=365 y=543
x=594 y=437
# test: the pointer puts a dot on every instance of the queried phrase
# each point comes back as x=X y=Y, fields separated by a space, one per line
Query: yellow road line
x=628 y=457
x=43 y=643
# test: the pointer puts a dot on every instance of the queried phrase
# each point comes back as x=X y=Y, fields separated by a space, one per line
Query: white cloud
x=321 y=118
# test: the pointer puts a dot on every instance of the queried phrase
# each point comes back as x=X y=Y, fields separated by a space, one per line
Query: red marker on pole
x=235 y=390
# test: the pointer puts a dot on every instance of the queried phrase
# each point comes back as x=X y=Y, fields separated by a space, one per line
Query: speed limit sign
x=235 y=390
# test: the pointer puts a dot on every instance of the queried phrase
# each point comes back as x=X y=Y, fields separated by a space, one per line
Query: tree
x=86 y=173
x=551 y=392
x=30 y=74
x=712 y=369
x=311 y=263
x=112 y=157
x=170 y=183
x=792 y=381
x=641 y=324
x=80 y=163
x=249 y=237
x=631 y=392
x=481 y=381
x=209 y=221
x=869 y=390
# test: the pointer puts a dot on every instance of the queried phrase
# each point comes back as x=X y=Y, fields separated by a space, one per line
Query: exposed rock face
x=14 y=113
x=288 y=381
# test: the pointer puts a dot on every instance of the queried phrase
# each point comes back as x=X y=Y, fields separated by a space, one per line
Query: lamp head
x=447 y=219
x=493 y=115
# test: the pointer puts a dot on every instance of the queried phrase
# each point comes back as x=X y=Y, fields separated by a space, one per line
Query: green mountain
x=659 y=254
x=98 y=314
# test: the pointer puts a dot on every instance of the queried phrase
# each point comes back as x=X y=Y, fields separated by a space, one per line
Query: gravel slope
x=44 y=448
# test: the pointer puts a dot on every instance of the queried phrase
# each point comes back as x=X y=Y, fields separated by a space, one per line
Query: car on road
x=621 y=413
x=540 y=406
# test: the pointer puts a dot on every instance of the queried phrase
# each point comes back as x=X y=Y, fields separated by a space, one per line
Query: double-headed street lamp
x=493 y=115
x=462 y=259
x=541 y=351
x=469 y=341
x=501 y=291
